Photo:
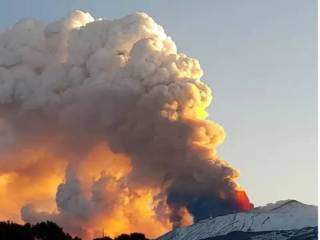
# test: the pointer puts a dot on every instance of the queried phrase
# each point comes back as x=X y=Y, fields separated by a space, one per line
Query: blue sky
x=259 y=57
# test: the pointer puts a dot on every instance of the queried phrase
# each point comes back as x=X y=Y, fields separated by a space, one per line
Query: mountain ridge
x=282 y=215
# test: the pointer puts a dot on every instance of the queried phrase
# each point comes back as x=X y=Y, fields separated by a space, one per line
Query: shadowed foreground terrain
x=49 y=231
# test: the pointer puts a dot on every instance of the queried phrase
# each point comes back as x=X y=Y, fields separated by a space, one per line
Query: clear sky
x=259 y=57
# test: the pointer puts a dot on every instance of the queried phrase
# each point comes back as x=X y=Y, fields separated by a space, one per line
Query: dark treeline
x=44 y=230
x=132 y=236
x=49 y=231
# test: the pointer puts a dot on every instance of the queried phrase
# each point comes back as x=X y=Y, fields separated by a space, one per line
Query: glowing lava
x=243 y=201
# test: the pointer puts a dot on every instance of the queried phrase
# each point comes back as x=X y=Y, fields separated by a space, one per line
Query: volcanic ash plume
x=103 y=126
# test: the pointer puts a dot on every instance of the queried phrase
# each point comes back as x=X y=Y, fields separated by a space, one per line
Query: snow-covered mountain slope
x=282 y=215
x=309 y=233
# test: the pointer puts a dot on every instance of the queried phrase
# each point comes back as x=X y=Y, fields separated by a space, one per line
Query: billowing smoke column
x=106 y=118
